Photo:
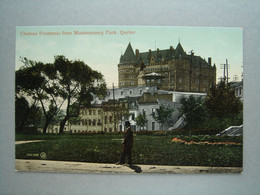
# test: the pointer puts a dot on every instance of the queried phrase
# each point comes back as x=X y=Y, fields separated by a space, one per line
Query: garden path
x=83 y=167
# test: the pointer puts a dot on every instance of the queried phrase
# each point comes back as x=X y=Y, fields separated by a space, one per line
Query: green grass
x=148 y=149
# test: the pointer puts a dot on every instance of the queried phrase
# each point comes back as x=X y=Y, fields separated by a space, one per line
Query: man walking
x=127 y=145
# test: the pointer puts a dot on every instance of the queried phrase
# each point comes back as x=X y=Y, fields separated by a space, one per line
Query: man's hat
x=127 y=123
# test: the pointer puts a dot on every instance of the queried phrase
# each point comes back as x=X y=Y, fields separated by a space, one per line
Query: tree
x=222 y=102
x=162 y=115
x=194 y=111
x=38 y=82
x=121 y=112
x=141 y=120
x=52 y=84
x=220 y=109
x=78 y=86
x=26 y=115
x=118 y=109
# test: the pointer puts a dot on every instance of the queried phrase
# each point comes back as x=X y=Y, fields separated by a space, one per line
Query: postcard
x=129 y=99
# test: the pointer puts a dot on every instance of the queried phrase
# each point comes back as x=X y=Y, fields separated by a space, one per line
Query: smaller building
x=139 y=92
x=55 y=129
x=91 y=120
x=238 y=88
x=122 y=104
x=149 y=107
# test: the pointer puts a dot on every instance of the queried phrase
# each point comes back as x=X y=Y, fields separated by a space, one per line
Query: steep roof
x=129 y=55
x=198 y=61
x=179 y=51
x=167 y=54
x=158 y=55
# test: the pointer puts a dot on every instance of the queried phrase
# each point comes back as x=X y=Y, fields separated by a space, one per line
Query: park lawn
x=148 y=149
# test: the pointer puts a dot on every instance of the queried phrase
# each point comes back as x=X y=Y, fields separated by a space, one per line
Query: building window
x=94 y=112
x=99 y=112
x=110 y=119
x=133 y=116
x=99 y=122
x=120 y=128
x=90 y=112
x=105 y=129
x=105 y=119
x=94 y=122
x=143 y=112
x=110 y=129
x=83 y=122
x=130 y=92
x=153 y=125
x=180 y=80
x=122 y=92
x=89 y=122
x=153 y=110
x=86 y=121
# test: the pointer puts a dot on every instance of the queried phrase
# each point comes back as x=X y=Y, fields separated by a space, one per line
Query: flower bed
x=204 y=142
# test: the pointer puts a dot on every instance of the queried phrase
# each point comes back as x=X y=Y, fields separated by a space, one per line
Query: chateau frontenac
x=147 y=81
x=169 y=69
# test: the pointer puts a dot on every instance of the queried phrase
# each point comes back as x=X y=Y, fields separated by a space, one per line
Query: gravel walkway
x=29 y=141
x=82 y=167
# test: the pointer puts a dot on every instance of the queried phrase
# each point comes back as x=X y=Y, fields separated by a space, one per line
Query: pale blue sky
x=102 y=52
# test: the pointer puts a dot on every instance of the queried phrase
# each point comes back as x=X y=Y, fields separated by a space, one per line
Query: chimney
x=209 y=61
x=171 y=51
x=150 y=54
x=158 y=52
x=137 y=53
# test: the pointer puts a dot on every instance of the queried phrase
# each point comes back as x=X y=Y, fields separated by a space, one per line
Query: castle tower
x=127 y=69
x=169 y=69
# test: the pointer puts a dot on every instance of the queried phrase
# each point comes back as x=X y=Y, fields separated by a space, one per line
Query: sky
x=100 y=47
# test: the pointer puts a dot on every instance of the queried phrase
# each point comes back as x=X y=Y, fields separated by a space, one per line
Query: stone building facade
x=169 y=69
x=97 y=118
x=238 y=88
x=150 y=107
x=132 y=100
